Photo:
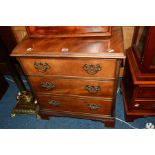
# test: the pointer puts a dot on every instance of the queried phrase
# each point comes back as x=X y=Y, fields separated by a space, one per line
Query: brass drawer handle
x=54 y=103
x=92 y=69
x=47 y=85
x=94 y=106
x=92 y=89
x=42 y=67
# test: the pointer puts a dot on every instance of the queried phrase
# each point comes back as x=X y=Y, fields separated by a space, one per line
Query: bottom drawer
x=75 y=104
x=144 y=105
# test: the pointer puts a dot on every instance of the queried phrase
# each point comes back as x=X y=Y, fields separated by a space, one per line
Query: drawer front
x=144 y=105
x=146 y=92
x=72 y=104
x=72 y=86
x=70 y=67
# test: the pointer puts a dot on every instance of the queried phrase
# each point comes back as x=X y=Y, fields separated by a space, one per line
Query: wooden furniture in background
x=138 y=84
x=74 y=75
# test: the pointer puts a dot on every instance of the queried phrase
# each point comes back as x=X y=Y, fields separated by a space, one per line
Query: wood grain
x=101 y=47
x=70 y=67
x=72 y=86
x=73 y=104
x=67 y=31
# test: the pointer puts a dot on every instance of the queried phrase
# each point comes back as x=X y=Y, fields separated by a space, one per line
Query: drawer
x=72 y=86
x=70 y=67
x=74 y=104
x=146 y=91
x=144 y=105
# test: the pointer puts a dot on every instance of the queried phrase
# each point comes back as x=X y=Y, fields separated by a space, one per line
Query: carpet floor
x=8 y=102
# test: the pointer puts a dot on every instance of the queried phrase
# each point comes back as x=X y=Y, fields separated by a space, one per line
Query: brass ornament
x=54 y=103
x=26 y=104
x=47 y=85
x=41 y=67
x=92 y=89
x=92 y=69
x=94 y=106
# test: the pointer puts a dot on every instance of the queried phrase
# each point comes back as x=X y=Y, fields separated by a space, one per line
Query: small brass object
x=26 y=104
x=38 y=116
x=93 y=106
x=42 y=67
x=92 y=89
x=35 y=102
x=13 y=115
x=92 y=69
x=47 y=85
x=54 y=102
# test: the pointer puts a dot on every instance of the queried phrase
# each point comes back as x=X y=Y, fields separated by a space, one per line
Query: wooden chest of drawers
x=138 y=90
x=74 y=76
x=138 y=84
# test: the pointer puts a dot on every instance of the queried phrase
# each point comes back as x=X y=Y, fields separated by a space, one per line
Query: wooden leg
x=109 y=123
x=43 y=116
x=131 y=118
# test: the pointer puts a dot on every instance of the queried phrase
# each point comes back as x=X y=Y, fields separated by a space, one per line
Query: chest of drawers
x=138 y=84
x=138 y=90
x=73 y=76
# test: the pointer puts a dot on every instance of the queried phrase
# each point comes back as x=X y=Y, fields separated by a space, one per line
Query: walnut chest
x=73 y=71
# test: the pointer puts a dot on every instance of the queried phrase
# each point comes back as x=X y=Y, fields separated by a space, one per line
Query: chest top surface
x=99 y=47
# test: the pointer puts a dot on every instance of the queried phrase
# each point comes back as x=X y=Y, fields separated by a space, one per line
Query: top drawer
x=104 y=68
